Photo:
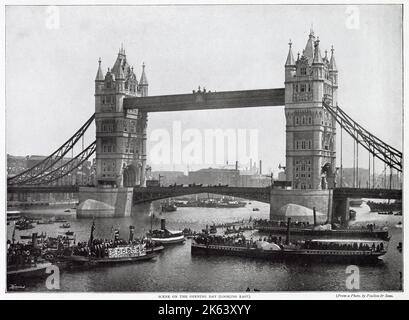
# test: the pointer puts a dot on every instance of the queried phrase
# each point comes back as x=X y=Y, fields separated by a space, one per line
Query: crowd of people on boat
x=343 y=246
x=305 y=224
x=99 y=247
x=21 y=254
x=280 y=223
x=234 y=240
x=189 y=232
x=237 y=230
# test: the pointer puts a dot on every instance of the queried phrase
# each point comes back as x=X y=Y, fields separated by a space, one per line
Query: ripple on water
x=176 y=270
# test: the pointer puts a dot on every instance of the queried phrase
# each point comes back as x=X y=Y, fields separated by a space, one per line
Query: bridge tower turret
x=310 y=129
x=119 y=133
x=142 y=123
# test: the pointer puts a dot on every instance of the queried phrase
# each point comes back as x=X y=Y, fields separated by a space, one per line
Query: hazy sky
x=50 y=68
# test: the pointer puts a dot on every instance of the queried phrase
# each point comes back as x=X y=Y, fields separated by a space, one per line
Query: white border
x=313 y=295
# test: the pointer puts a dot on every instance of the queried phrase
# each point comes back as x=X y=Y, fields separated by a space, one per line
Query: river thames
x=176 y=270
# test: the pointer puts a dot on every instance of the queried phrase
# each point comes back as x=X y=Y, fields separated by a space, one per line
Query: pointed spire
x=317 y=52
x=144 y=79
x=309 y=47
x=332 y=64
x=290 y=58
x=100 y=76
x=120 y=65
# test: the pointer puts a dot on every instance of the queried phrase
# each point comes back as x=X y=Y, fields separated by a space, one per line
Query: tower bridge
x=309 y=97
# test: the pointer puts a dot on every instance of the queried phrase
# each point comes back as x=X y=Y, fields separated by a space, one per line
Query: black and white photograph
x=203 y=150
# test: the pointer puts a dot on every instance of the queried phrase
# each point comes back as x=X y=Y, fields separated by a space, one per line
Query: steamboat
x=102 y=252
x=164 y=236
x=319 y=250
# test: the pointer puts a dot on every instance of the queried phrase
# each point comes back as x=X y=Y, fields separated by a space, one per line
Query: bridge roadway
x=43 y=189
x=142 y=194
x=207 y=100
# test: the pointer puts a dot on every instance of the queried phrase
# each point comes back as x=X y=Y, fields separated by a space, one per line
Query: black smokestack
x=287 y=240
x=162 y=224
x=315 y=216
x=237 y=165
x=34 y=239
x=261 y=171
x=131 y=233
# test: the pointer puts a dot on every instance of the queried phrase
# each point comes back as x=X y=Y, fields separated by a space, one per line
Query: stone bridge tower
x=310 y=129
x=120 y=134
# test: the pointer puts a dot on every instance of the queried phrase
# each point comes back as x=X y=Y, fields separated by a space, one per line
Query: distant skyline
x=50 y=68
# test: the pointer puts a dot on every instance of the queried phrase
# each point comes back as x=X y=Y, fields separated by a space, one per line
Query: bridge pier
x=103 y=202
x=341 y=211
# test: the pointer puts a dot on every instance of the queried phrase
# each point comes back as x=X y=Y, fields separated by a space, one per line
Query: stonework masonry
x=310 y=129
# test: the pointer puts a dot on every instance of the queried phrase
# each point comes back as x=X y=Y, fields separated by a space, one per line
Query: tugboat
x=168 y=207
x=322 y=250
x=165 y=236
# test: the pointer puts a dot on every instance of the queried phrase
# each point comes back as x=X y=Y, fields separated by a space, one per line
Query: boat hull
x=104 y=261
x=39 y=271
x=172 y=240
x=322 y=256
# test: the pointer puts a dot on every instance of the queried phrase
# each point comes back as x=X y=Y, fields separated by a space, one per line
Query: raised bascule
x=311 y=109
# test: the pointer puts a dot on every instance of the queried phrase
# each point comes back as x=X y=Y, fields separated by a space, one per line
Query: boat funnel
x=34 y=239
x=131 y=233
x=315 y=216
x=287 y=239
x=162 y=224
